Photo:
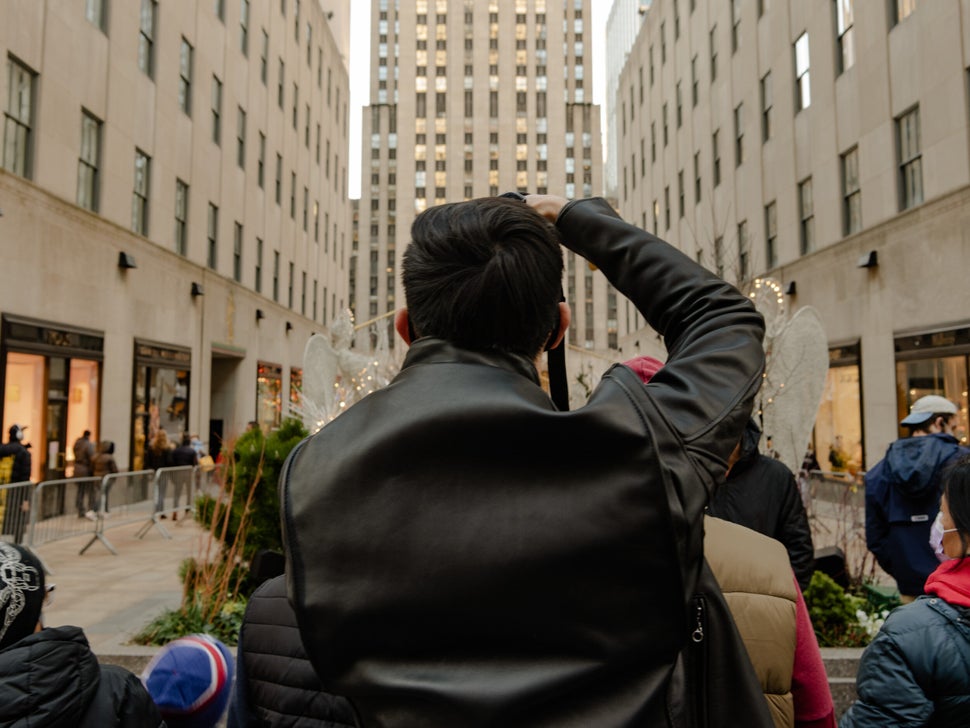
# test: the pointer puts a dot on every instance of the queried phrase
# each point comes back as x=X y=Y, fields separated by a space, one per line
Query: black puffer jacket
x=275 y=683
x=52 y=679
x=461 y=553
x=760 y=493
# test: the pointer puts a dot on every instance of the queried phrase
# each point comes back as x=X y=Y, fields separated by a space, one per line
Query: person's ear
x=565 y=317
x=402 y=324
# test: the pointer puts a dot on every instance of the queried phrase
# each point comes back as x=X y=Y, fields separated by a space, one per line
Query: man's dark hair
x=924 y=426
x=87 y=433
x=956 y=486
x=484 y=274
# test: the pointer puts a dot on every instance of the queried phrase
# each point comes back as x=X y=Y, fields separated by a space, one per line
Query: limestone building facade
x=824 y=144
x=175 y=220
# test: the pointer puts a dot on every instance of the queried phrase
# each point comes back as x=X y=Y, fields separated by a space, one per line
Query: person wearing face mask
x=914 y=673
x=903 y=494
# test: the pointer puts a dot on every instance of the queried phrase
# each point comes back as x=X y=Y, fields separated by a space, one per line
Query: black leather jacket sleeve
x=713 y=333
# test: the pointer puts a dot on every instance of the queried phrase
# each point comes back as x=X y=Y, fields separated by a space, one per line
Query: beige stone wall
x=918 y=61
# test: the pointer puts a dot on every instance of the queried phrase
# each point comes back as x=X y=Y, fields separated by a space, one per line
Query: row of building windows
x=17 y=147
x=911 y=193
x=844 y=32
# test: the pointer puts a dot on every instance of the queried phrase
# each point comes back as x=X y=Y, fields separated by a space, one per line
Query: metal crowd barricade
x=169 y=487
x=15 y=510
x=63 y=508
x=125 y=498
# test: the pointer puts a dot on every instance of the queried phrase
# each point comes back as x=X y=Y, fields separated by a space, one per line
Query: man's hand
x=549 y=206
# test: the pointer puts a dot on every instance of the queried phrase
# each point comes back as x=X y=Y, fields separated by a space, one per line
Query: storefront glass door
x=23 y=403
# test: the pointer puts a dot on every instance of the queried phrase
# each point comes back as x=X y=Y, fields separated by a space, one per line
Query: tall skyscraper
x=622 y=26
x=472 y=98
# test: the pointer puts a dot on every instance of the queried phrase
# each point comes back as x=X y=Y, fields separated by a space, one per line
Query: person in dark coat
x=87 y=493
x=914 y=673
x=16 y=514
x=49 y=677
x=275 y=682
x=761 y=494
x=903 y=494
x=183 y=456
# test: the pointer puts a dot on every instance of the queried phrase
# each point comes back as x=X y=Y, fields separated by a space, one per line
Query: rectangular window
x=220 y=10
x=289 y=289
x=241 y=138
x=276 y=276
x=279 y=84
x=237 y=250
x=663 y=42
x=279 y=179
x=296 y=101
x=771 y=235
x=664 y=120
x=719 y=255
x=680 y=112
x=244 y=27
x=303 y=295
x=653 y=141
x=910 y=159
x=851 y=193
x=146 y=38
x=713 y=41
x=306 y=128
x=693 y=81
x=185 y=77
x=735 y=25
x=767 y=101
x=306 y=209
x=293 y=195
x=181 y=217
x=697 y=177
x=806 y=215
x=904 y=8
x=844 y=21
x=738 y=135
x=716 y=155
x=89 y=162
x=216 y=110
x=212 y=234
x=261 y=161
x=258 y=282
x=264 y=58
x=803 y=87
x=680 y=193
x=18 y=120
x=743 y=262
x=94 y=13
x=667 y=207
x=139 y=198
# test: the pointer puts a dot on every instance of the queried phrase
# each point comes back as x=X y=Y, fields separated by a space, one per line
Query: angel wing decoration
x=335 y=376
x=796 y=362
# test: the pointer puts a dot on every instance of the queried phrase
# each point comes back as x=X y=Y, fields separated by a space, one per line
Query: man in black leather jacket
x=460 y=552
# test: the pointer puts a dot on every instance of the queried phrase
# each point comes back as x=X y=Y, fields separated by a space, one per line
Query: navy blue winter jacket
x=914 y=673
x=902 y=499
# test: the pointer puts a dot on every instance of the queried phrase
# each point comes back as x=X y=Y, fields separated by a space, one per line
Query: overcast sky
x=360 y=82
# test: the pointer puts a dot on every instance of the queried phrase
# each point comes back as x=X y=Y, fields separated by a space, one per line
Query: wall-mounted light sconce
x=869 y=260
x=126 y=260
x=259 y=315
x=289 y=327
x=197 y=290
x=790 y=288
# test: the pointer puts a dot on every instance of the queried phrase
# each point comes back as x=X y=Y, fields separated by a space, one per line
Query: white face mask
x=936 y=536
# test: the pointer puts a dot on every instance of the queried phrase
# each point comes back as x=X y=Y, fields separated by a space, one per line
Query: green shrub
x=191 y=619
x=255 y=461
x=835 y=613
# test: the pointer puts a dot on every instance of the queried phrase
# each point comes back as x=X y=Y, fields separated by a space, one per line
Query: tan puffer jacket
x=756 y=578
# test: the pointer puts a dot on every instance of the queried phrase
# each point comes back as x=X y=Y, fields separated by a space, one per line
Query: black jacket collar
x=438 y=351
